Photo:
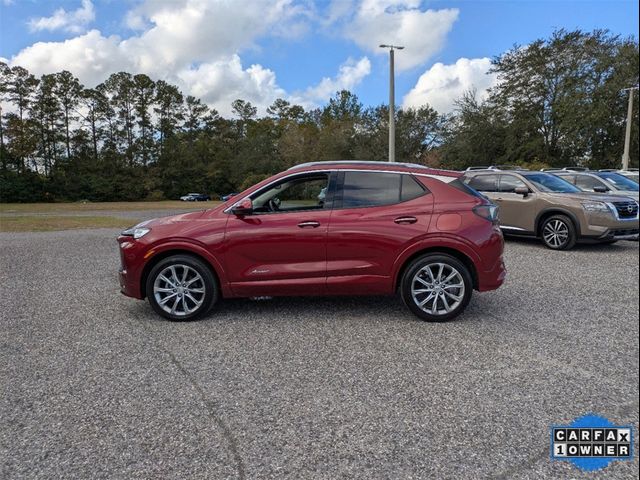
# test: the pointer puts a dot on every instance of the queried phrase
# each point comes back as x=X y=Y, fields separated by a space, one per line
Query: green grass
x=47 y=223
x=49 y=208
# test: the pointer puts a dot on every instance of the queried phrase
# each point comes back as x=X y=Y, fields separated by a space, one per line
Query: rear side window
x=484 y=183
x=368 y=189
x=509 y=183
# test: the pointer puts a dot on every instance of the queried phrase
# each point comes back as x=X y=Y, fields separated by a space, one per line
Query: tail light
x=488 y=211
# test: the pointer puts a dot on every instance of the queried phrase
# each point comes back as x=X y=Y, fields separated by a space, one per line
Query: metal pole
x=392 y=116
x=627 y=134
x=392 y=101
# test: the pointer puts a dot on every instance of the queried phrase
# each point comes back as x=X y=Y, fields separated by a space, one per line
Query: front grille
x=626 y=209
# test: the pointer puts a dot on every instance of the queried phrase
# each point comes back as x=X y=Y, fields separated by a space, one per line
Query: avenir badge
x=591 y=442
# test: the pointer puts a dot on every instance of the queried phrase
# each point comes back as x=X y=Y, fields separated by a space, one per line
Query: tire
x=418 y=286
x=558 y=233
x=178 y=297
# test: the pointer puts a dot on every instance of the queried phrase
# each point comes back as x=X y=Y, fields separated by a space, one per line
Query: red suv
x=326 y=228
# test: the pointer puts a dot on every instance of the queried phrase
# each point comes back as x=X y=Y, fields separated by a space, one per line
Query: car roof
x=373 y=165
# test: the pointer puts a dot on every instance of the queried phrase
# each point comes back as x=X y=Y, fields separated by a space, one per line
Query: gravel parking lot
x=94 y=385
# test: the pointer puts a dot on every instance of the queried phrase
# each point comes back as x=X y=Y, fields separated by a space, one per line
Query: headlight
x=137 y=232
x=596 y=207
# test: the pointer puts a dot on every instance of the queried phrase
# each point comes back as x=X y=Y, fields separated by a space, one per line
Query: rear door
x=375 y=216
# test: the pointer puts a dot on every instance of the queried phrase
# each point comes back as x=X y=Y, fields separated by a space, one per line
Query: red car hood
x=183 y=217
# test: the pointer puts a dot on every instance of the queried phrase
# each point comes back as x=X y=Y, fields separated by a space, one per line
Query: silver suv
x=611 y=183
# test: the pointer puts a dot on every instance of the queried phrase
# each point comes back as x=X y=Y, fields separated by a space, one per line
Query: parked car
x=543 y=205
x=195 y=197
x=228 y=196
x=379 y=228
x=602 y=182
x=631 y=174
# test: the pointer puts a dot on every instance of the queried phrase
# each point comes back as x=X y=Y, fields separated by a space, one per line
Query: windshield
x=545 y=182
x=619 y=181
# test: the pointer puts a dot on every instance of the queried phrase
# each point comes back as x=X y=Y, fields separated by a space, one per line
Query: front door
x=515 y=208
x=281 y=249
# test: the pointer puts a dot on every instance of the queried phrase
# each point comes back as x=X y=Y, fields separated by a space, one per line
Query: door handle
x=405 y=220
x=309 y=224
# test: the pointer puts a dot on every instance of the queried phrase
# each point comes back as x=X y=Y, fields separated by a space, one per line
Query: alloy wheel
x=556 y=233
x=437 y=288
x=179 y=290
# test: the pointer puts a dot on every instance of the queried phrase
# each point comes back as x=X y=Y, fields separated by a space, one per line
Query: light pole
x=392 y=115
x=627 y=133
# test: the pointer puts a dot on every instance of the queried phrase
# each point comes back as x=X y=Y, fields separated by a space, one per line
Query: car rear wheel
x=559 y=233
x=181 y=287
x=436 y=287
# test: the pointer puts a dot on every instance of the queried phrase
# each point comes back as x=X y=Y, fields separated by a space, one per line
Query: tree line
x=558 y=101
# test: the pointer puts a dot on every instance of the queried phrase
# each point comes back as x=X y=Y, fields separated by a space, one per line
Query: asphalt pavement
x=95 y=385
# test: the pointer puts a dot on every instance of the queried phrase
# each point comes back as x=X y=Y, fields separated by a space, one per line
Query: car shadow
x=583 y=247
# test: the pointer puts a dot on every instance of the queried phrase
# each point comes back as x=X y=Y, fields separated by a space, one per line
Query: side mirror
x=524 y=191
x=600 y=189
x=243 y=207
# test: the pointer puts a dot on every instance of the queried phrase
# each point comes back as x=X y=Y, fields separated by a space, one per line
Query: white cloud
x=350 y=74
x=442 y=85
x=221 y=82
x=399 y=22
x=193 y=43
x=74 y=21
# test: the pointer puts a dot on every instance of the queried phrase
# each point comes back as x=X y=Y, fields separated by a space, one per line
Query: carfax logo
x=591 y=442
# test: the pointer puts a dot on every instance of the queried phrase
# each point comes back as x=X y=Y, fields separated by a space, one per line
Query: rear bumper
x=492 y=279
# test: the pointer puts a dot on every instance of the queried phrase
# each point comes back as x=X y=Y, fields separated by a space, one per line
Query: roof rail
x=362 y=162
x=513 y=168
x=472 y=169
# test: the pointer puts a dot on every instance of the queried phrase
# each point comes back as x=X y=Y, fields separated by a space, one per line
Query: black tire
x=432 y=261
x=184 y=297
x=565 y=233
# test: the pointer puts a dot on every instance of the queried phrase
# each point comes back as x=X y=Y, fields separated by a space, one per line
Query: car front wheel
x=436 y=287
x=558 y=233
x=181 y=287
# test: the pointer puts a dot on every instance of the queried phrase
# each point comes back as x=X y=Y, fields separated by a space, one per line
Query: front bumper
x=607 y=227
x=131 y=267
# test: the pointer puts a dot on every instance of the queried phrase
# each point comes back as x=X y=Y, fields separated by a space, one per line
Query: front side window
x=368 y=189
x=300 y=193
x=509 y=183
x=484 y=183
x=585 y=182
x=545 y=182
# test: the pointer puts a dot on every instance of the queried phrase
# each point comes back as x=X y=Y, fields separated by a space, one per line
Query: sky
x=299 y=50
